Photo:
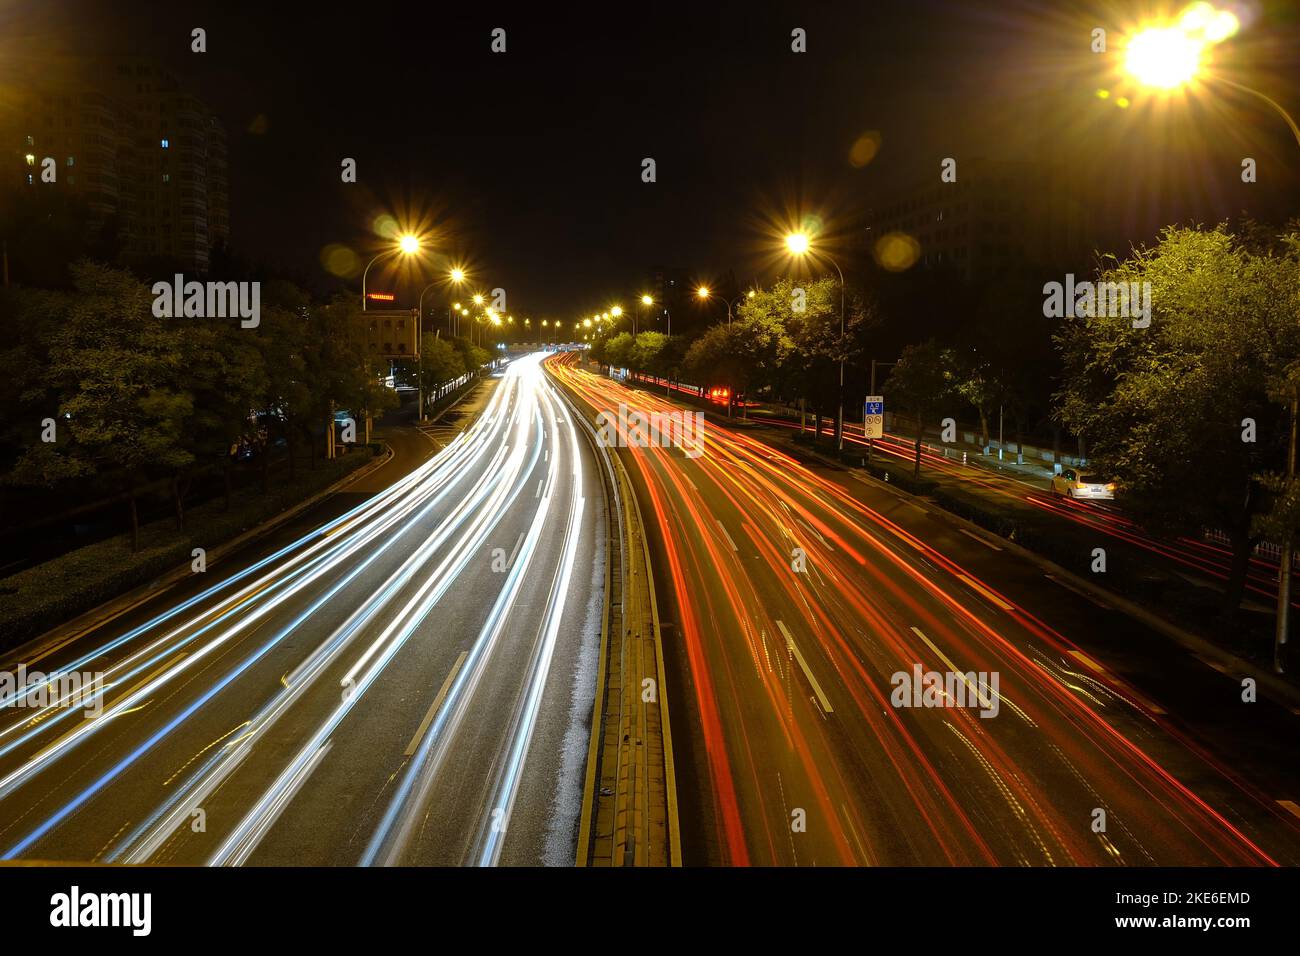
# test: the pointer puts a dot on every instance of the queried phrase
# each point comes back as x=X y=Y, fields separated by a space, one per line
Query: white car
x=1083 y=485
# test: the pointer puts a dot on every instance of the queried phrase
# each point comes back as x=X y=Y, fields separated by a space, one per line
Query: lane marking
x=803 y=664
x=538 y=492
x=953 y=668
x=848 y=818
x=984 y=591
x=975 y=537
x=1079 y=591
x=437 y=702
x=726 y=535
x=510 y=562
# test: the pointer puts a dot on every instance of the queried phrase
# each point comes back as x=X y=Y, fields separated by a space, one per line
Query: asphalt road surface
x=402 y=676
x=802 y=602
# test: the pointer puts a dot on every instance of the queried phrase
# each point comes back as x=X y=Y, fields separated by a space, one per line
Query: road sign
x=873 y=416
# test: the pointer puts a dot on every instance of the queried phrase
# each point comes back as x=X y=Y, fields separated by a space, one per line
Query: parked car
x=1073 y=483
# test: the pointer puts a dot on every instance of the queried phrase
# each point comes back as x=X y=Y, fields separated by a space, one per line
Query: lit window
x=30 y=141
x=31 y=160
x=167 y=177
x=166 y=144
x=29 y=179
x=70 y=162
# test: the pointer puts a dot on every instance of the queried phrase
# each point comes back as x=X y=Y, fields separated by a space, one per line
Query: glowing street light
x=407 y=245
x=1168 y=55
x=799 y=245
x=704 y=293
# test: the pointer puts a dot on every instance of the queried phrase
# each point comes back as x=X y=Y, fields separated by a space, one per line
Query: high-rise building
x=1001 y=218
x=670 y=288
x=147 y=157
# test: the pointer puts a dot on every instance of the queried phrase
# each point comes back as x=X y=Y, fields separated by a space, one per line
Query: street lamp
x=457 y=276
x=704 y=293
x=800 y=245
x=407 y=245
x=1173 y=55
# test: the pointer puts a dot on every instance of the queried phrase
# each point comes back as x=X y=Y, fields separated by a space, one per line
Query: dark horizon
x=526 y=165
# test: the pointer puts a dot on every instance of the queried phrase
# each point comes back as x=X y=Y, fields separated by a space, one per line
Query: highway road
x=403 y=676
x=800 y=602
x=1200 y=564
x=1205 y=564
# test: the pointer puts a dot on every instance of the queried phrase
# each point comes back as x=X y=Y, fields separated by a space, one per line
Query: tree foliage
x=1168 y=410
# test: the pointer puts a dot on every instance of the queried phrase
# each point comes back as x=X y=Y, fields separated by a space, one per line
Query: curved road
x=804 y=607
x=409 y=682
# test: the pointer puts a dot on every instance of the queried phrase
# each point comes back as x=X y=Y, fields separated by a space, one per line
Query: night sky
x=527 y=164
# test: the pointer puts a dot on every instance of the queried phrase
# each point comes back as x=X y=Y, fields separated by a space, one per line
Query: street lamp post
x=456 y=276
x=1171 y=56
x=797 y=243
x=407 y=245
x=705 y=293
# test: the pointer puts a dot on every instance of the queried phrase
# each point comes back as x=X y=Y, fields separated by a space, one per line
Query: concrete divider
x=629 y=808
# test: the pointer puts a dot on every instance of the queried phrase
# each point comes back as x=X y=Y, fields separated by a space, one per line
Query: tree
x=440 y=364
x=791 y=341
x=284 y=337
x=718 y=358
x=923 y=379
x=978 y=383
x=1184 y=414
x=118 y=372
x=618 y=350
x=473 y=357
x=645 y=352
x=226 y=371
